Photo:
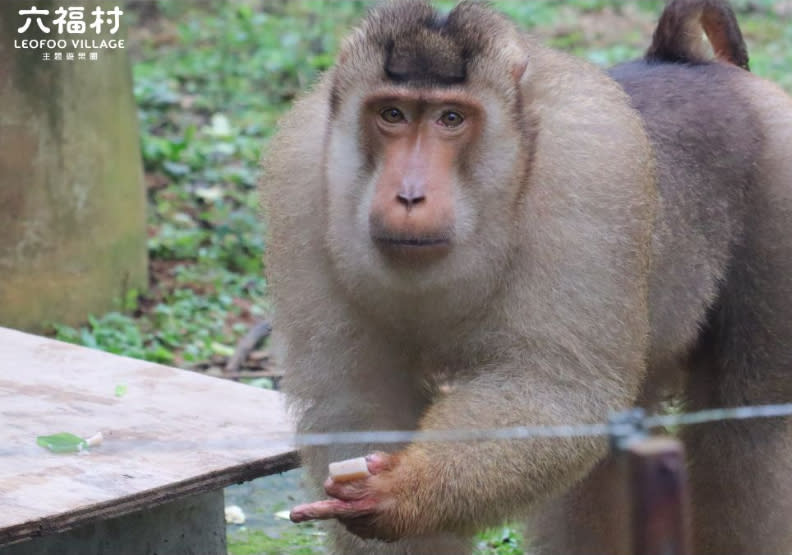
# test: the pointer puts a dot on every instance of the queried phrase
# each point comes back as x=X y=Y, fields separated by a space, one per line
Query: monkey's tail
x=679 y=37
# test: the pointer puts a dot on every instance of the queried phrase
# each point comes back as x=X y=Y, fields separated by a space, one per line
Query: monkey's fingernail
x=297 y=515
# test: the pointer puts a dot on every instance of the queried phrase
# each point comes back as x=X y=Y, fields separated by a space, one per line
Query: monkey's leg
x=741 y=471
x=741 y=478
x=586 y=520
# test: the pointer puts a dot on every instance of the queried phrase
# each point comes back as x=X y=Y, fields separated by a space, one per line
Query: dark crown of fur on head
x=423 y=46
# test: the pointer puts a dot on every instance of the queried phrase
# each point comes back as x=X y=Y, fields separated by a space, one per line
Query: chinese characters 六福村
x=71 y=20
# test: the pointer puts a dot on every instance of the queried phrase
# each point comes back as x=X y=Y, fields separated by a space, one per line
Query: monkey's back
x=709 y=139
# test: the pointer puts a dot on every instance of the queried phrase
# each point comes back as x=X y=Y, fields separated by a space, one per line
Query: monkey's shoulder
x=558 y=77
x=570 y=93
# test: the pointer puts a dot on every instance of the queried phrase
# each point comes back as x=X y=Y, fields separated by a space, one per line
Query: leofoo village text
x=81 y=44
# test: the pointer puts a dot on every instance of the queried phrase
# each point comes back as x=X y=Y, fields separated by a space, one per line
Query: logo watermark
x=82 y=40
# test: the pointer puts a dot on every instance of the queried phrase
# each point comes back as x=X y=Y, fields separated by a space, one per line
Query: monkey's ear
x=343 y=52
x=518 y=70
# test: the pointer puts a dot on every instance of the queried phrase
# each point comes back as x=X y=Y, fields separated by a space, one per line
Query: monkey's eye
x=392 y=115
x=451 y=119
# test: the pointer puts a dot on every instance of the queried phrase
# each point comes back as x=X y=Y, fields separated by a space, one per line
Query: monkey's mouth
x=413 y=241
x=421 y=249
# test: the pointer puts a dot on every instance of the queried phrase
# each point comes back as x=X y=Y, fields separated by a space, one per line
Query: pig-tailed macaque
x=454 y=199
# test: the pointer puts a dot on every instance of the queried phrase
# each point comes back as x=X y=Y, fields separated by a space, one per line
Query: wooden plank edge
x=148 y=499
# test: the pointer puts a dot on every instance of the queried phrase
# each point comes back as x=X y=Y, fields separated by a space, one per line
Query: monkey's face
x=421 y=184
x=418 y=141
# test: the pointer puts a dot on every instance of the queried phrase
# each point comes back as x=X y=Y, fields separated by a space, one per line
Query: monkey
x=453 y=198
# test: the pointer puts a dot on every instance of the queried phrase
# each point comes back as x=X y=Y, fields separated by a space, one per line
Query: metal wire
x=557 y=431
x=283 y=441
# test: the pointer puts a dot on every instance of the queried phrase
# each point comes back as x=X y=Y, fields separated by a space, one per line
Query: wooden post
x=658 y=495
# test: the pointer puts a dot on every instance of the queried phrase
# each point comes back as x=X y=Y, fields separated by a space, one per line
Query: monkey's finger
x=357 y=488
x=315 y=511
x=380 y=461
x=332 y=508
x=347 y=491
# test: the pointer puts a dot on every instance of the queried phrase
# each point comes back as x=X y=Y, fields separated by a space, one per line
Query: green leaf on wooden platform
x=63 y=442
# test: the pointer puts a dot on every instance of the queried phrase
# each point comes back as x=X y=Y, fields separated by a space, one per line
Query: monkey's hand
x=370 y=507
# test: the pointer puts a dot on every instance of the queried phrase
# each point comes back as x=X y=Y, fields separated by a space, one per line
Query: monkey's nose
x=410 y=198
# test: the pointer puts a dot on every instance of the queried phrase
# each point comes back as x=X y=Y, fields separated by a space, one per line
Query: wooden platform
x=173 y=434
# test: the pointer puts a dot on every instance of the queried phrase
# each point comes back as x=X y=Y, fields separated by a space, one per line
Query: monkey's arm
x=458 y=486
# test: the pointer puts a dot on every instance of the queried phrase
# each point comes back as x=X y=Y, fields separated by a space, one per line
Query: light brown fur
x=593 y=252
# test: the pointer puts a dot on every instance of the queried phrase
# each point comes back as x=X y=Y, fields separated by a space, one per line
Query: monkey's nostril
x=409 y=199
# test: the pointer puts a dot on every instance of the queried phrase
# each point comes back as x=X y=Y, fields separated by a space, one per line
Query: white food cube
x=350 y=469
